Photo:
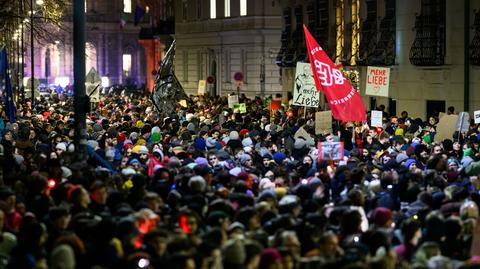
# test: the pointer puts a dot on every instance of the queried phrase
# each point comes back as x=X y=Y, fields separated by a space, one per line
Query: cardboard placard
x=323 y=122
x=304 y=91
x=445 y=127
x=476 y=116
x=92 y=80
x=330 y=151
x=376 y=118
x=242 y=108
x=378 y=81
x=202 y=84
x=463 y=122
x=232 y=100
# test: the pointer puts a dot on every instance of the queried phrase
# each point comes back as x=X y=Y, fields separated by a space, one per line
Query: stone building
x=431 y=46
x=115 y=47
x=223 y=38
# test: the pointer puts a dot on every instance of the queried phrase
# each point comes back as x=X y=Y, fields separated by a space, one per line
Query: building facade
x=232 y=42
x=431 y=46
x=115 y=47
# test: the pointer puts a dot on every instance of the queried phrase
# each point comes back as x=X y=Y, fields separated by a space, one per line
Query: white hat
x=61 y=146
x=143 y=150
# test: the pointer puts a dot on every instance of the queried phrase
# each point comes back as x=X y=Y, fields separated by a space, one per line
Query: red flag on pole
x=344 y=100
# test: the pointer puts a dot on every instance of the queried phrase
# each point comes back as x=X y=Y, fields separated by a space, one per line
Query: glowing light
x=51 y=183
x=142 y=263
x=105 y=82
x=62 y=81
x=39 y=2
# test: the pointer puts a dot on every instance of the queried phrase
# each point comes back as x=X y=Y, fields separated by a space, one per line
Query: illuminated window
x=127 y=64
x=243 y=7
x=227 y=8
x=127 y=6
x=90 y=56
x=213 y=9
x=85 y=6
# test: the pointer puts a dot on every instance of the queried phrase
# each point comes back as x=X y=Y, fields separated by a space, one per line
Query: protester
x=206 y=186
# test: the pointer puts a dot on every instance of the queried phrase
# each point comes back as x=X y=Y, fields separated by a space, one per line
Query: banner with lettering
x=304 y=91
x=378 y=81
x=344 y=100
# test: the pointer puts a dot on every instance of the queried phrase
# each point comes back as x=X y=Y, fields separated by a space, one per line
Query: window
x=243 y=7
x=227 y=8
x=127 y=64
x=213 y=9
x=85 y=6
x=127 y=6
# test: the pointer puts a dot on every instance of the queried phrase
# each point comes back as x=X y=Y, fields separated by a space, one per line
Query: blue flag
x=139 y=13
x=6 y=86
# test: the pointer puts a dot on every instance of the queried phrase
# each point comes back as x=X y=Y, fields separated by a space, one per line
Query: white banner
x=304 y=91
x=476 y=116
x=232 y=100
x=202 y=84
x=378 y=81
x=376 y=118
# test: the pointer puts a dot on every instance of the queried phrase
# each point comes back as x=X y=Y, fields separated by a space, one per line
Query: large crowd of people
x=209 y=187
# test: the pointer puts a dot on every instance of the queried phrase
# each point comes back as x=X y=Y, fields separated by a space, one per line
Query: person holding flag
x=344 y=100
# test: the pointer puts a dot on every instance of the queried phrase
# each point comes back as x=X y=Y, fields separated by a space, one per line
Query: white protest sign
x=304 y=91
x=232 y=100
x=92 y=81
x=463 y=122
x=476 y=116
x=330 y=151
x=202 y=84
x=376 y=118
x=378 y=81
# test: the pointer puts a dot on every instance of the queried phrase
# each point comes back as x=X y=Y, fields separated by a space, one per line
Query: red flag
x=343 y=99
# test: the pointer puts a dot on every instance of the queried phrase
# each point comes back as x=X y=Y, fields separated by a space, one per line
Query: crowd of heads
x=209 y=187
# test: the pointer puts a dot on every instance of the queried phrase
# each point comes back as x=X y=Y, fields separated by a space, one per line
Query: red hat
x=128 y=146
x=121 y=137
x=243 y=132
x=381 y=216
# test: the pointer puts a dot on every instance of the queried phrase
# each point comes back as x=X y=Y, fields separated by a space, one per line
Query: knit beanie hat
x=268 y=257
x=234 y=135
x=409 y=162
x=200 y=143
x=381 y=216
x=247 y=142
x=155 y=137
x=244 y=158
x=278 y=157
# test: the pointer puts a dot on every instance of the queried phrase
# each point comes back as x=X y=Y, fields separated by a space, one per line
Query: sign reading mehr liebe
x=304 y=92
x=378 y=80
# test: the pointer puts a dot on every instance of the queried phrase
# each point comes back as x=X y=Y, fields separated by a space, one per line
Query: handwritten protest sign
x=330 y=151
x=305 y=92
x=476 y=116
x=242 y=108
x=376 y=118
x=232 y=100
x=378 y=81
x=202 y=84
x=463 y=122
x=323 y=122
